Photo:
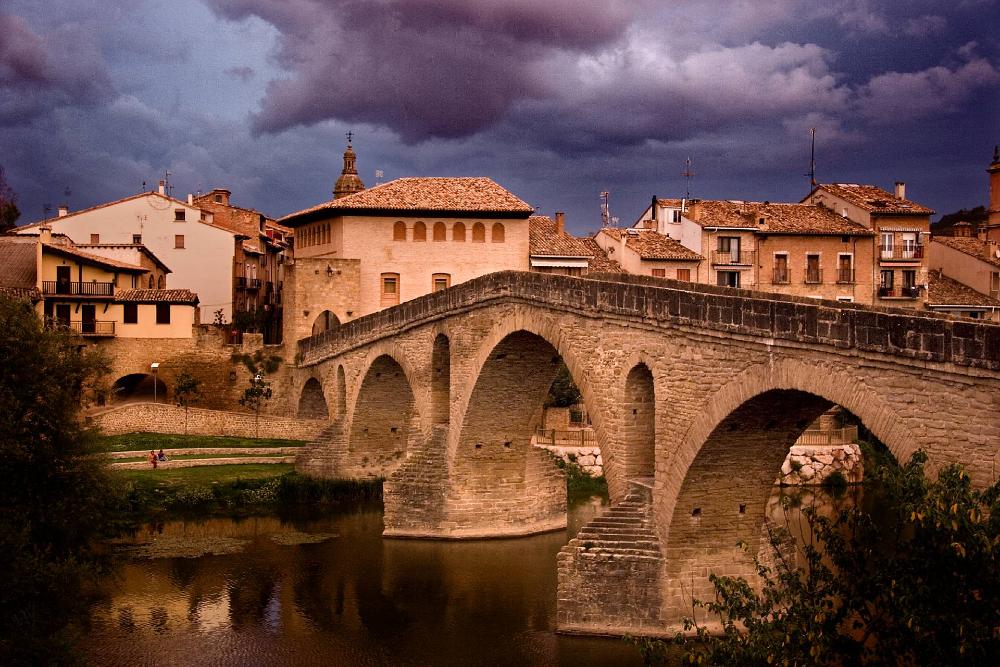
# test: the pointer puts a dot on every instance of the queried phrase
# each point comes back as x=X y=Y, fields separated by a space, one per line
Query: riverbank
x=157 y=441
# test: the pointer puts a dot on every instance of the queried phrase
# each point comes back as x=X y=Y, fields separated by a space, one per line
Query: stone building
x=947 y=295
x=902 y=229
x=368 y=249
x=650 y=253
x=972 y=262
x=552 y=250
x=993 y=221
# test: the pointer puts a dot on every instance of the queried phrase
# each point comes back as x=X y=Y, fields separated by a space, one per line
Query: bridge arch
x=441 y=380
x=639 y=427
x=325 y=321
x=341 y=391
x=312 y=402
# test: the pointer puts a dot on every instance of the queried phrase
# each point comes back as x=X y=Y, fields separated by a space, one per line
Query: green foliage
x=258 y=363
x=975 y=215
x=563 y=392
x=218 y=318
x=255 y=397
x=9 y=213
x=53 y=499
x=835 y=480
x=580 y=485
x=187 y=394
x=918 y=586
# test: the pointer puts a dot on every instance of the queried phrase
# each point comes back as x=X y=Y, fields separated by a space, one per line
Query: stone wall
x=588 y=458
x=810 y=465
x=164 y=418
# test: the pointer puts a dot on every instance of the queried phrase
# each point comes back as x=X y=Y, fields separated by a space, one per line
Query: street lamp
x=154 y=367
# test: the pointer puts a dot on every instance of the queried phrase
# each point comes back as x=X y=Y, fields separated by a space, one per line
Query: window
x=419 y=231
x=203 y=216
x=886 y=283
x=399 y=231
x=887 y=244
x=780 y=269
x=845 y=299
x=179 y=241
x=995 y=284
x=727 y=278
x=160 y=282
x=137 y=239
x=813 y=272
x=845 y=269
x=909 y=242
x=440 y=281
x=676 y=216
x=151 y=283
x=659 y=273
x=729 y=249
x=479 y=233
x=458 y=232
x=218 y=199
x=95 y=239
x=684 y=274
x=163 y=313
x=131 y=313
x=179 y=215
x=390 y=289
x=440 y=232
x=497 y=233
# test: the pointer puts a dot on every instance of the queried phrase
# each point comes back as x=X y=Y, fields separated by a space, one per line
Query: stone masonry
x=702 y=389
x=165 y=418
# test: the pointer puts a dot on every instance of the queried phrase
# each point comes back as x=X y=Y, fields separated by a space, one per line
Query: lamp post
x=154 y=367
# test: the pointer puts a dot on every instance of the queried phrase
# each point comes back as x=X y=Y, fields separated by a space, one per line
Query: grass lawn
x=204 y=476
x=146 y=441
x=183 y=457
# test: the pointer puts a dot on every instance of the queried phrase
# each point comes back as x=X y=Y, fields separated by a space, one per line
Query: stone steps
x=626 y=530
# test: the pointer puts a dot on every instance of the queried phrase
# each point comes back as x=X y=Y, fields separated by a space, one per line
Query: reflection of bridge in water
x=701 y=389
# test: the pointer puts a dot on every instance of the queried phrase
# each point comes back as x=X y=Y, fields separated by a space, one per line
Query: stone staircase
x=609 y=574
x=414 y=494
x=321 y=456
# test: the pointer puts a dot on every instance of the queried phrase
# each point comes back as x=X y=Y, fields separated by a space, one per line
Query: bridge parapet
x=903 y=333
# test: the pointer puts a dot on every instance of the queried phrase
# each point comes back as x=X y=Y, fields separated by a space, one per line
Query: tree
x=563 y=392
x=256 y=397
x=9 y=213
x=187 y=394
x=917 y=584
x=54 y=500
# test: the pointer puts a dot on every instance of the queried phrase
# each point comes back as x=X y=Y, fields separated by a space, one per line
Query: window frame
x=178 y=242
x=389 y=298
x=130 y=313
x=180 y=215
x=163 y=313
x=435 y=277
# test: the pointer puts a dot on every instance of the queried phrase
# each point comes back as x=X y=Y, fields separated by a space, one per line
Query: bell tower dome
x=349 y=181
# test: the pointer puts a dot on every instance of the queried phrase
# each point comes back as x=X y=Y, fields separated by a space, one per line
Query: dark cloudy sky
x=557 y=99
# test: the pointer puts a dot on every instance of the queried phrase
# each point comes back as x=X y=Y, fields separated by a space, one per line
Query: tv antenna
x=688 y=174
x=605 y=209
x=168 y=189
x=379 y=174
x=812 y=159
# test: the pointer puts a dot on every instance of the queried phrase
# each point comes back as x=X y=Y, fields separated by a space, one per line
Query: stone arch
x=137 y=387
x=312 y=402
x=385 y=418
x=325 y=321
x=341 y=391
x=441 y=380
x=639 y=422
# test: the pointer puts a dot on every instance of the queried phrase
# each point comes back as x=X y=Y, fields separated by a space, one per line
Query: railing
x=91 y=327
x=732 y=257
x=837 y=436
x=780 y=276
x=77 y=289
x=845 y=276
x=899 y=292
x=813 y=276
x=247 y=283
x=901 y=253
x=583 y=437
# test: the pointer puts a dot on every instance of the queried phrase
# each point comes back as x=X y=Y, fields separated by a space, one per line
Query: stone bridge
x=695 y=392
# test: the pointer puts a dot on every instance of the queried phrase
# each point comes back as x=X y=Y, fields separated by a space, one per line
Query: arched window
x=458 y=232
x=479 y=233
x=151 y=283
x=419 y=231
x=159 y=282
x=497 y=233
x=440 y=232
x=399 y=231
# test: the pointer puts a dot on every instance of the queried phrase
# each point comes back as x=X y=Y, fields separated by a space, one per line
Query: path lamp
x=155 y=366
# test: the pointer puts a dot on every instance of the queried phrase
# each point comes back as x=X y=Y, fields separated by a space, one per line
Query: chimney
x=653 y=208
x=190 y=199
x=900 y=190
x=63 y=210
x=45 y=234
x=162 y=188
x=560 y=223
x=622 y=240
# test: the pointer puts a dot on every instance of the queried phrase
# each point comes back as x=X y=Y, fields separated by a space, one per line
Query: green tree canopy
x=9 y=213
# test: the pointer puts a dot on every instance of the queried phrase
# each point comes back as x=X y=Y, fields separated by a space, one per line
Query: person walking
x=152 y=459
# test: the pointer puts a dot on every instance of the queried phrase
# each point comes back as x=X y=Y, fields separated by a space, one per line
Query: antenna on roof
x=144 y=186
x=605 y=210
x=169 y=189
x=812 y=160
x=379 y=174
x=688 y=174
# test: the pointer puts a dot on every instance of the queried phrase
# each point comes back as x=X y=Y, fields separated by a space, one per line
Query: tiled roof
x=17 y=262
x=779 y=218
x=945 y=291
x=874 y=199
x=138 y=247
x=545 y=240
x=669 y=203
x=600 y=262
x=653 y=245
x=460 y=195
x=973 y=247
x=21 y=293
x=112 y=264
x=157 y=296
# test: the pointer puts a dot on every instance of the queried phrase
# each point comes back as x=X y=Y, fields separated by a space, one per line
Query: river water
x=333 y=592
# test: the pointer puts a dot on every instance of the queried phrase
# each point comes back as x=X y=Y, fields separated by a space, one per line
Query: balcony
x=66 y=288
x=813 y=277
x=732 y=258
x=247 y=283
x=780 y=277
x=898 y=292
x=95 y=328
x=901 y=253
x=845 y=276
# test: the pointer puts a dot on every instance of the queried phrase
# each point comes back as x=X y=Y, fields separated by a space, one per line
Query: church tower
x=349 y=181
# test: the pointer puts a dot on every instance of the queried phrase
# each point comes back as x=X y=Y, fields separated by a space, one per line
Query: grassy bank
x=145 y=441
x=233 y=490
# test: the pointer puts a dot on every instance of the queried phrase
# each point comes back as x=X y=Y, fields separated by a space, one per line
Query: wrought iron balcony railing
x=65 y=288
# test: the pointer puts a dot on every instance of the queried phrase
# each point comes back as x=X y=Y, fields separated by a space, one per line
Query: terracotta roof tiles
x=874 y=199
x=981 y=250
x=600 y=262
x=544 y=239
x=653 y=245
x=157 y=296
x=945 y=291
x=779 y=218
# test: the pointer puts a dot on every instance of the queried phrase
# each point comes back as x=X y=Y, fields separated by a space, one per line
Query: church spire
x=349 y=181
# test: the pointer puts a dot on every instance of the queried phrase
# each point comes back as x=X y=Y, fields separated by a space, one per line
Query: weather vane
x=350 y=135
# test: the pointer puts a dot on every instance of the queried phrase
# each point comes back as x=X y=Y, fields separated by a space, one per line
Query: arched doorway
x=312 y=402
x=639 y=424
x=138 y=387
x=326 y=321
